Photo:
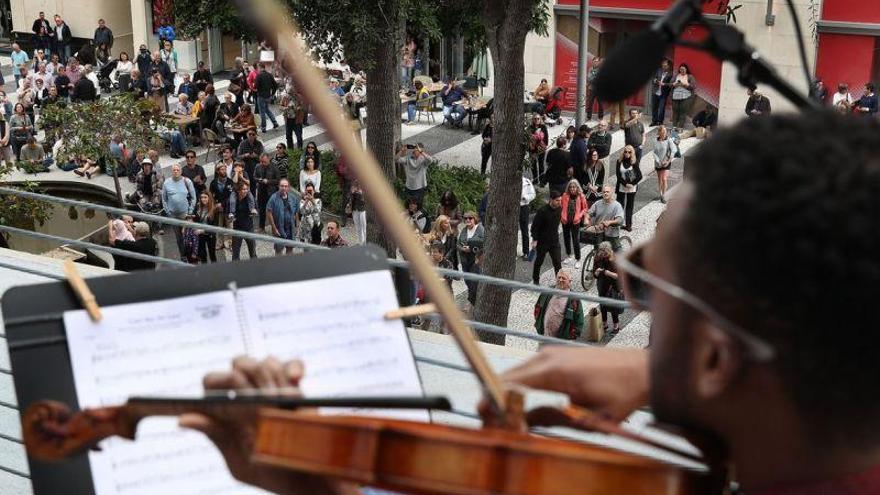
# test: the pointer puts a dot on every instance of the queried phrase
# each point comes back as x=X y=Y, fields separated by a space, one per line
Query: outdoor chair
x=211 y=141
x=425 y=106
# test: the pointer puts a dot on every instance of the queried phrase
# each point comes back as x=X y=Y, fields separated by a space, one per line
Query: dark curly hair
x=788 y=246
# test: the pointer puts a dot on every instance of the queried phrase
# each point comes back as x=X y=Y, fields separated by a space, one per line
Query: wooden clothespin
x=411 y=311
x=82 y=291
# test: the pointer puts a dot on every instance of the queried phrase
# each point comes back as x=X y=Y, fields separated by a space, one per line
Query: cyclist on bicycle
x=605 y=218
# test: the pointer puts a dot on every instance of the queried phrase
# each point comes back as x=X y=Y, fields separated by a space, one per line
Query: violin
x=502 y=458
x=402 y=456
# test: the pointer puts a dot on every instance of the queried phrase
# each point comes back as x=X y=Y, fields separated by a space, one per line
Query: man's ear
x=716 y=361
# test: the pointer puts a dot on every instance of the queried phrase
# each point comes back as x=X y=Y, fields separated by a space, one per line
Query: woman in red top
x=574 y=206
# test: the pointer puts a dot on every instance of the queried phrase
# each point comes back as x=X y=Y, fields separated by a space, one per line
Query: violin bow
x=269 y=17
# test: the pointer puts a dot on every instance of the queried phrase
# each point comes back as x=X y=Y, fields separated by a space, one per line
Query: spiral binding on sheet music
x=242 y=318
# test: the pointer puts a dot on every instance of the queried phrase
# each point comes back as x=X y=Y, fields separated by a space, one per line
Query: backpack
x=428 y=222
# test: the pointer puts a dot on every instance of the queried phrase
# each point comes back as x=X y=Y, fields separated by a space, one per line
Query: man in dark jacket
x=103 y=35
x=600 y=139
x=558 y=165
x=660 y=90
x=202 y=77
x=61 y=39
x=545 y=236
x=142 y=61
x=758 y=104
x=84 y=91
x=266 y=87
x=39 y=23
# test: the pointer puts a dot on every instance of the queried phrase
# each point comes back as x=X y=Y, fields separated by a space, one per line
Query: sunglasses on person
x=638 y=283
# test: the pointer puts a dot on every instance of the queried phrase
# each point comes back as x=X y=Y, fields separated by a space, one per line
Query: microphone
x=629 y=66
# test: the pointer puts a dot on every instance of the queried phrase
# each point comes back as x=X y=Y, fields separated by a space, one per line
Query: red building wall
x=845 y=58
x=851 y=11
x=705 y=68
x=849 y=58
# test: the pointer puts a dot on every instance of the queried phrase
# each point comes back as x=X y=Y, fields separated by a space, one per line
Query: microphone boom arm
x=728 y=44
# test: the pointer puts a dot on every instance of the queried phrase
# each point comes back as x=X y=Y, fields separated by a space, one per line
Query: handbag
x=595 y=330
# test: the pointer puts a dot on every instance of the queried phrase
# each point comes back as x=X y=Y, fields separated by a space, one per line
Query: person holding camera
x=242 y=210
x=416 y=169
x=628 y=177
x=310 y=216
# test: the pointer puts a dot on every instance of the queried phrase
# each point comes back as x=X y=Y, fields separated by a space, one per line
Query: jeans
x=486 y=152
x=570 y=236
x=406 y=76
x=262 y=201
x=360 y=225
x=265 y=113
x=555 y=255
x=454 y=113
x=417 y=194
x=680 y=108
x=64 y=53
x=178 y=144
x=286 y=233
x=178 y=234
x=524 y=211
x=411 y=111
x=658 y=108
x=291 y=128
x=469 y=265
x=207 y=248
x=628 y=200
x=591 y=98
x=236 y=247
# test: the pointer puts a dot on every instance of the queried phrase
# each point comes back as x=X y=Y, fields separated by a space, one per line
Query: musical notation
x=334 y=325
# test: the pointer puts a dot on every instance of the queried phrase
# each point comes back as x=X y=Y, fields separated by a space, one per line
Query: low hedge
x=466 y=182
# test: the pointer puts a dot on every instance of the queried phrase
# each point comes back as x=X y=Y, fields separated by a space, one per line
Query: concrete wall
x=539 y=56
x=777 y=44
x=81 y=15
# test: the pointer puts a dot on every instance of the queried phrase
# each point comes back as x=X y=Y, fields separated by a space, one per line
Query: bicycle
x=595 y=238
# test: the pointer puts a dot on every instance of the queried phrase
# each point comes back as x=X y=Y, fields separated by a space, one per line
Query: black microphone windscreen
x=630 y=65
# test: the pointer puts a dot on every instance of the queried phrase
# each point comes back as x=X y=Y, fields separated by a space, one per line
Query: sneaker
x=567 y=261
x=577 y=265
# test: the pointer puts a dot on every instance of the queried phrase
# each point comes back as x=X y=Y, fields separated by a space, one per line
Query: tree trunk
x=506 y=32
x=383 y=115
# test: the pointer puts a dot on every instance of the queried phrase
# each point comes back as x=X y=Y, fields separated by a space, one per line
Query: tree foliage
x=17 y=211
x=87 y=128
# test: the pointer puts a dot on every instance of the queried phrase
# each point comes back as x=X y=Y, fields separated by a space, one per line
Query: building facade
x=842 y=39
x=133 y=22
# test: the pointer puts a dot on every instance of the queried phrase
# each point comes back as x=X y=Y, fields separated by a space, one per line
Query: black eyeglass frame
x=758 y=348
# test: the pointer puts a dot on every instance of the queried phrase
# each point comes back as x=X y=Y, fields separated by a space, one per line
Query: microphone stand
x=727 y=43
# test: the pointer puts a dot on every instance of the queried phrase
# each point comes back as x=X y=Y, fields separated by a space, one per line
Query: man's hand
x=612 y=382
x=234 y=434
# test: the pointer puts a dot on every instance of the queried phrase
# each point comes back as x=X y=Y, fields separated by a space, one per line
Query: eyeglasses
x=469 y=218
x=638 y=282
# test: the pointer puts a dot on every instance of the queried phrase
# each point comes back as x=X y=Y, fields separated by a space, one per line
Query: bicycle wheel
x=587 y=278
x=625 y=243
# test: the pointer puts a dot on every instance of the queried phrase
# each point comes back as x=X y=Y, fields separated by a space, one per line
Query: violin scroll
x=51 y=432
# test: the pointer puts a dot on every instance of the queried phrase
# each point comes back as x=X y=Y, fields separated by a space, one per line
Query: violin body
x=430 y=459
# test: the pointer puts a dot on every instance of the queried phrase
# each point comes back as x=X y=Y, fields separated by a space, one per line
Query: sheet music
x=335 y=325
x=155 y=348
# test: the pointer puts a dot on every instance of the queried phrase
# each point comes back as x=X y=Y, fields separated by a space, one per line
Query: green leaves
x=87 y=128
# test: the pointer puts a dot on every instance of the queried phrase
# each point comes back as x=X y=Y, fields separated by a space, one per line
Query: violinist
x=751 y=355
x=742 y=350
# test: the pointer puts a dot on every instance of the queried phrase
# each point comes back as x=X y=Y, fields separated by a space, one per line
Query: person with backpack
x=179 y=200
x=417 y=218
